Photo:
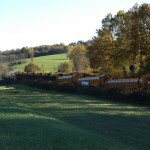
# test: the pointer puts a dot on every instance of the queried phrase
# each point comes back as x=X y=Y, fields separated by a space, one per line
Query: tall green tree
x=139 y=31
x=124 y=39
x=100 y=51
x=78 y=57
x=4 y=70
x=144 y=18
x=119 y=54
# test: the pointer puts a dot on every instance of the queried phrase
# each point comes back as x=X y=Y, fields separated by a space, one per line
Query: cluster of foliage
x=6 y=76
x=19 y=62
x=4 y=70
x=124 y=39
x=50 y=49
x=66 y=67
x=77 y=53
x=33 y=68
x=25 y=52
x=80 y=42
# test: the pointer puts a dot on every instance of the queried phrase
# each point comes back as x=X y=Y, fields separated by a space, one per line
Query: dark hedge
x=131 y=96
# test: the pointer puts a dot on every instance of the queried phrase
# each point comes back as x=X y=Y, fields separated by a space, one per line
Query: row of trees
x=124 y=39
x=79 y=61
x=25 y=52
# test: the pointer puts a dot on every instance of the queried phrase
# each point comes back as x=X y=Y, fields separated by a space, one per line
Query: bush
x=32 y=68
x=65 y=67
x=17 y=62
x=4 y=70
x=132 y=96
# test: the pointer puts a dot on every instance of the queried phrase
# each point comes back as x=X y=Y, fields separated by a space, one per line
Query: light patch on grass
x=6 y=88
x=9 y=116
x=31 y=118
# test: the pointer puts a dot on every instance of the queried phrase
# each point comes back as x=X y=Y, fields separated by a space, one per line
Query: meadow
x=49 y=63
x=32 y=119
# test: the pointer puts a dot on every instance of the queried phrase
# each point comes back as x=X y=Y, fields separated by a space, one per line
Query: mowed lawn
x=49 y=63
x=34 y=119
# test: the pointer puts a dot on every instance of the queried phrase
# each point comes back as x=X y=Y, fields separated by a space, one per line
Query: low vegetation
x=4 y=70
x=138 y=96
x=32 y=119
x=33 y=68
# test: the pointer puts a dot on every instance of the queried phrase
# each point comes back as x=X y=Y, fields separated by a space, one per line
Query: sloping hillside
x=49 y=63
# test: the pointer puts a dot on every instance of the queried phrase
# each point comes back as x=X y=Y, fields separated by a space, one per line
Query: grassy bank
x=31 y=118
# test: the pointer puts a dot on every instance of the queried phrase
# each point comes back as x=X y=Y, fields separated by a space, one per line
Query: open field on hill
x=49 y=63
x=34 y=119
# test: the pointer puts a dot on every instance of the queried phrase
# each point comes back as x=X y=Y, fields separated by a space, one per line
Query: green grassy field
x=34 y=119
x=49 y=63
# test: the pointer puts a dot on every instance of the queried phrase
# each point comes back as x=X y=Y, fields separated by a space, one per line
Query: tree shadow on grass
x=97 y=119
x=23 y=129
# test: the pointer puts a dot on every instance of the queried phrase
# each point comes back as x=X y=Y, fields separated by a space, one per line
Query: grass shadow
x=54 y=120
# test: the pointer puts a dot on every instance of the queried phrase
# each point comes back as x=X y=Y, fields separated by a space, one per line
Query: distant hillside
x=25 y=52
x=49 y=63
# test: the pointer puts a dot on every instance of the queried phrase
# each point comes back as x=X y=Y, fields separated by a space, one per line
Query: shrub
x=4 y=70
x=17 y=62
x=32 y=68
x=66 y=67
x=132 y=96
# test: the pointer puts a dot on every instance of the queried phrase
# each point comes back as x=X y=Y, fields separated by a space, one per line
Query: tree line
x=123 y=39
x=25 y=52
x=122 y=42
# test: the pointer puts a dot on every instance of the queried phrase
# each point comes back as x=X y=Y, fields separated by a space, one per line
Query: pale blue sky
x=41 y=22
